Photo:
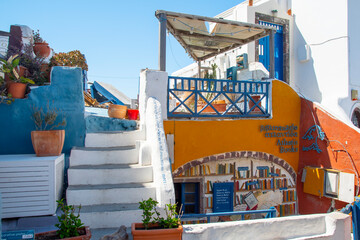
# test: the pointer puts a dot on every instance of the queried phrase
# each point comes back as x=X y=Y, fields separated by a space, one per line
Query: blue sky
x=118 y=38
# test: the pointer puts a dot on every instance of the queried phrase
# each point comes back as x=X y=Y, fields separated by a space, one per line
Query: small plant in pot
x=154 y=226
x=16 y=83
x=41 y=48
x=70 y=225
x=47 y=141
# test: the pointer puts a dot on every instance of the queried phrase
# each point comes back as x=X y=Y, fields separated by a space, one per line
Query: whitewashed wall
x=331 y=226
x=323 y=25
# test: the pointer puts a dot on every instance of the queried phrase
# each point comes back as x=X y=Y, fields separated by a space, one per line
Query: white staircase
x=106 y=179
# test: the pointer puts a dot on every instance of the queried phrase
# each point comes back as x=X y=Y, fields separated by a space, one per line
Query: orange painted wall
x=200 y=138
x=332 y=153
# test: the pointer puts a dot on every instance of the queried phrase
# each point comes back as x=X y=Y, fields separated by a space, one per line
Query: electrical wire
x=172 y=53
x=329 y=40
x=328 y=140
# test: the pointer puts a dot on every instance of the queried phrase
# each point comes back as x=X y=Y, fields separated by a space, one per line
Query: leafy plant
x=69 y=221
x=47 y=120
x=148 y=207
x=210 y=84
x=36 y=37
x=10 y=68
x=71 y=59
x=149 y=210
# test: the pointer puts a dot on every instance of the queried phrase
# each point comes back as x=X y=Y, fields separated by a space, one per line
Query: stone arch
x=239 y=154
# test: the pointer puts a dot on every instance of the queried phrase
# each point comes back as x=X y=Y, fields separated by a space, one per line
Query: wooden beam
x=199 y=48
x=183 y=33
x=210 y=19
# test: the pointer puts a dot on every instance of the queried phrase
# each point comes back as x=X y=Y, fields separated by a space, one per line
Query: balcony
x=215 y=98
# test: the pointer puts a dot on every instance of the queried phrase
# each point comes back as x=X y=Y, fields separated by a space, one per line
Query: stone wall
x=65 y=93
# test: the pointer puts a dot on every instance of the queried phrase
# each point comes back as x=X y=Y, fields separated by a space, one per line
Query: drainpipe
x=272 y=56
x=162 y=42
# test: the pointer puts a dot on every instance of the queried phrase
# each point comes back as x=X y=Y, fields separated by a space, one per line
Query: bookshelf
x=248 y=175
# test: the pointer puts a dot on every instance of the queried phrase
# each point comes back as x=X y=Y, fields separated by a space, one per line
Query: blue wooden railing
x=270 y=213
x=354 y=208
x=197 y=97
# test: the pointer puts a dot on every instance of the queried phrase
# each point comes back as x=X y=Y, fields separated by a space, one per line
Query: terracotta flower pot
x=84 y=232
x=17 y=90
x=42 y=49
x=251 y=104
x=139 y=233
x=117 y=111
x=220 y=106
x=48 y=143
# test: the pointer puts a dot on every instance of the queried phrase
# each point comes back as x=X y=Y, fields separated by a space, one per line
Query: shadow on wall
x=305 y=76
x=65 y=93
x=332 y=153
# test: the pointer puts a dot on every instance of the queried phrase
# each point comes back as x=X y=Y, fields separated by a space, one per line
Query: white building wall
x=354 y=51
x=322 y=25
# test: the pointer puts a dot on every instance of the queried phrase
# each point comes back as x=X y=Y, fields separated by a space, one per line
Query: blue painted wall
x=105 y=124
x=65 y=93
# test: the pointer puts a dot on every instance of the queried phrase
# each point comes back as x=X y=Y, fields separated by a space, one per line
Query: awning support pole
x=162 y=42
x=272 y=54
x=199 y=69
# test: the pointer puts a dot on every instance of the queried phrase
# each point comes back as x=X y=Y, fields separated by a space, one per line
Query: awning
x=203 y=41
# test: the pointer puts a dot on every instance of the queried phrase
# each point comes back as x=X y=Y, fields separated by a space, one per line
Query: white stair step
x=109 y=174
x=113 y=139
x=109 y=194
x=104 y=155
x=110 y=215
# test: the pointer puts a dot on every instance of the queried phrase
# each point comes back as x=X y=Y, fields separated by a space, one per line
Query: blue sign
x=18 y=235
x=223 y=197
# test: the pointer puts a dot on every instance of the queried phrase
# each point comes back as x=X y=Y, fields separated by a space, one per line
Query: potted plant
x=71 y=59
x=45 y=140
x=70 y=225
x=15 y=81
x=219 y=105
x=154 y=226
x=41 y=48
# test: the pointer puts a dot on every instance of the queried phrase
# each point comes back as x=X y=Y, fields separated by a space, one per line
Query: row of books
x=286 y=209
x=208 y=202
x=289 y=196
x=225 y=168
x=264 y=171
x=242 y=172
x=199 y=170
x=209 y=187
x=281 y=183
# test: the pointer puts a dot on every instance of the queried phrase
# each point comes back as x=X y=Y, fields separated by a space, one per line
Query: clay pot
x=17 y=90
x=48 y=143
x=84 y=231
x=117 y=111
x=42 y=49
x=251 y=104
x=220 y=106
x=139 y=233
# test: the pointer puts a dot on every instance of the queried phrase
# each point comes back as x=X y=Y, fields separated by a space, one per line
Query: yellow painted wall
x=197 y=138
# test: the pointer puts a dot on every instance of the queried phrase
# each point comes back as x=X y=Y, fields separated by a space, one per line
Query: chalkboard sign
x=223 y=197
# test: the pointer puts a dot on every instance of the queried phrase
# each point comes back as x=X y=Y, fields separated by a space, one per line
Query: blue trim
x=309 y=136
x=106 y=93
x=239 y=95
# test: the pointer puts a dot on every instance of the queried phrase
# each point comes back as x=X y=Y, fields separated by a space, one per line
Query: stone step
x=110 y=215
x=109 y=194
x=104 y=155
x=109 y=174
x=114 y=139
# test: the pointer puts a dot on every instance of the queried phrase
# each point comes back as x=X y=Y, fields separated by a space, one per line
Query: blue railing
x=270 y=213
x=197 y=97
x=354 y=208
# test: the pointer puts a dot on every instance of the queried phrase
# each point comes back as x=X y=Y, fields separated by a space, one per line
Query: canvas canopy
x=205 y=37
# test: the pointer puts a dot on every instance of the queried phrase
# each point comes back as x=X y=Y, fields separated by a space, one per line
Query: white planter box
x=30 y=185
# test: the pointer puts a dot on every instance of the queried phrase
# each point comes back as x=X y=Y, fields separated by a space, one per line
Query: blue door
x=264 y=48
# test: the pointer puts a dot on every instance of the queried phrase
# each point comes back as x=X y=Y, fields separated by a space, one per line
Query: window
x=187 y=195
x=355 y=118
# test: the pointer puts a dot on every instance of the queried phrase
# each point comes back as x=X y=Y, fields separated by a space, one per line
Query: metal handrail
x=270 y=214
x=197 y=97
